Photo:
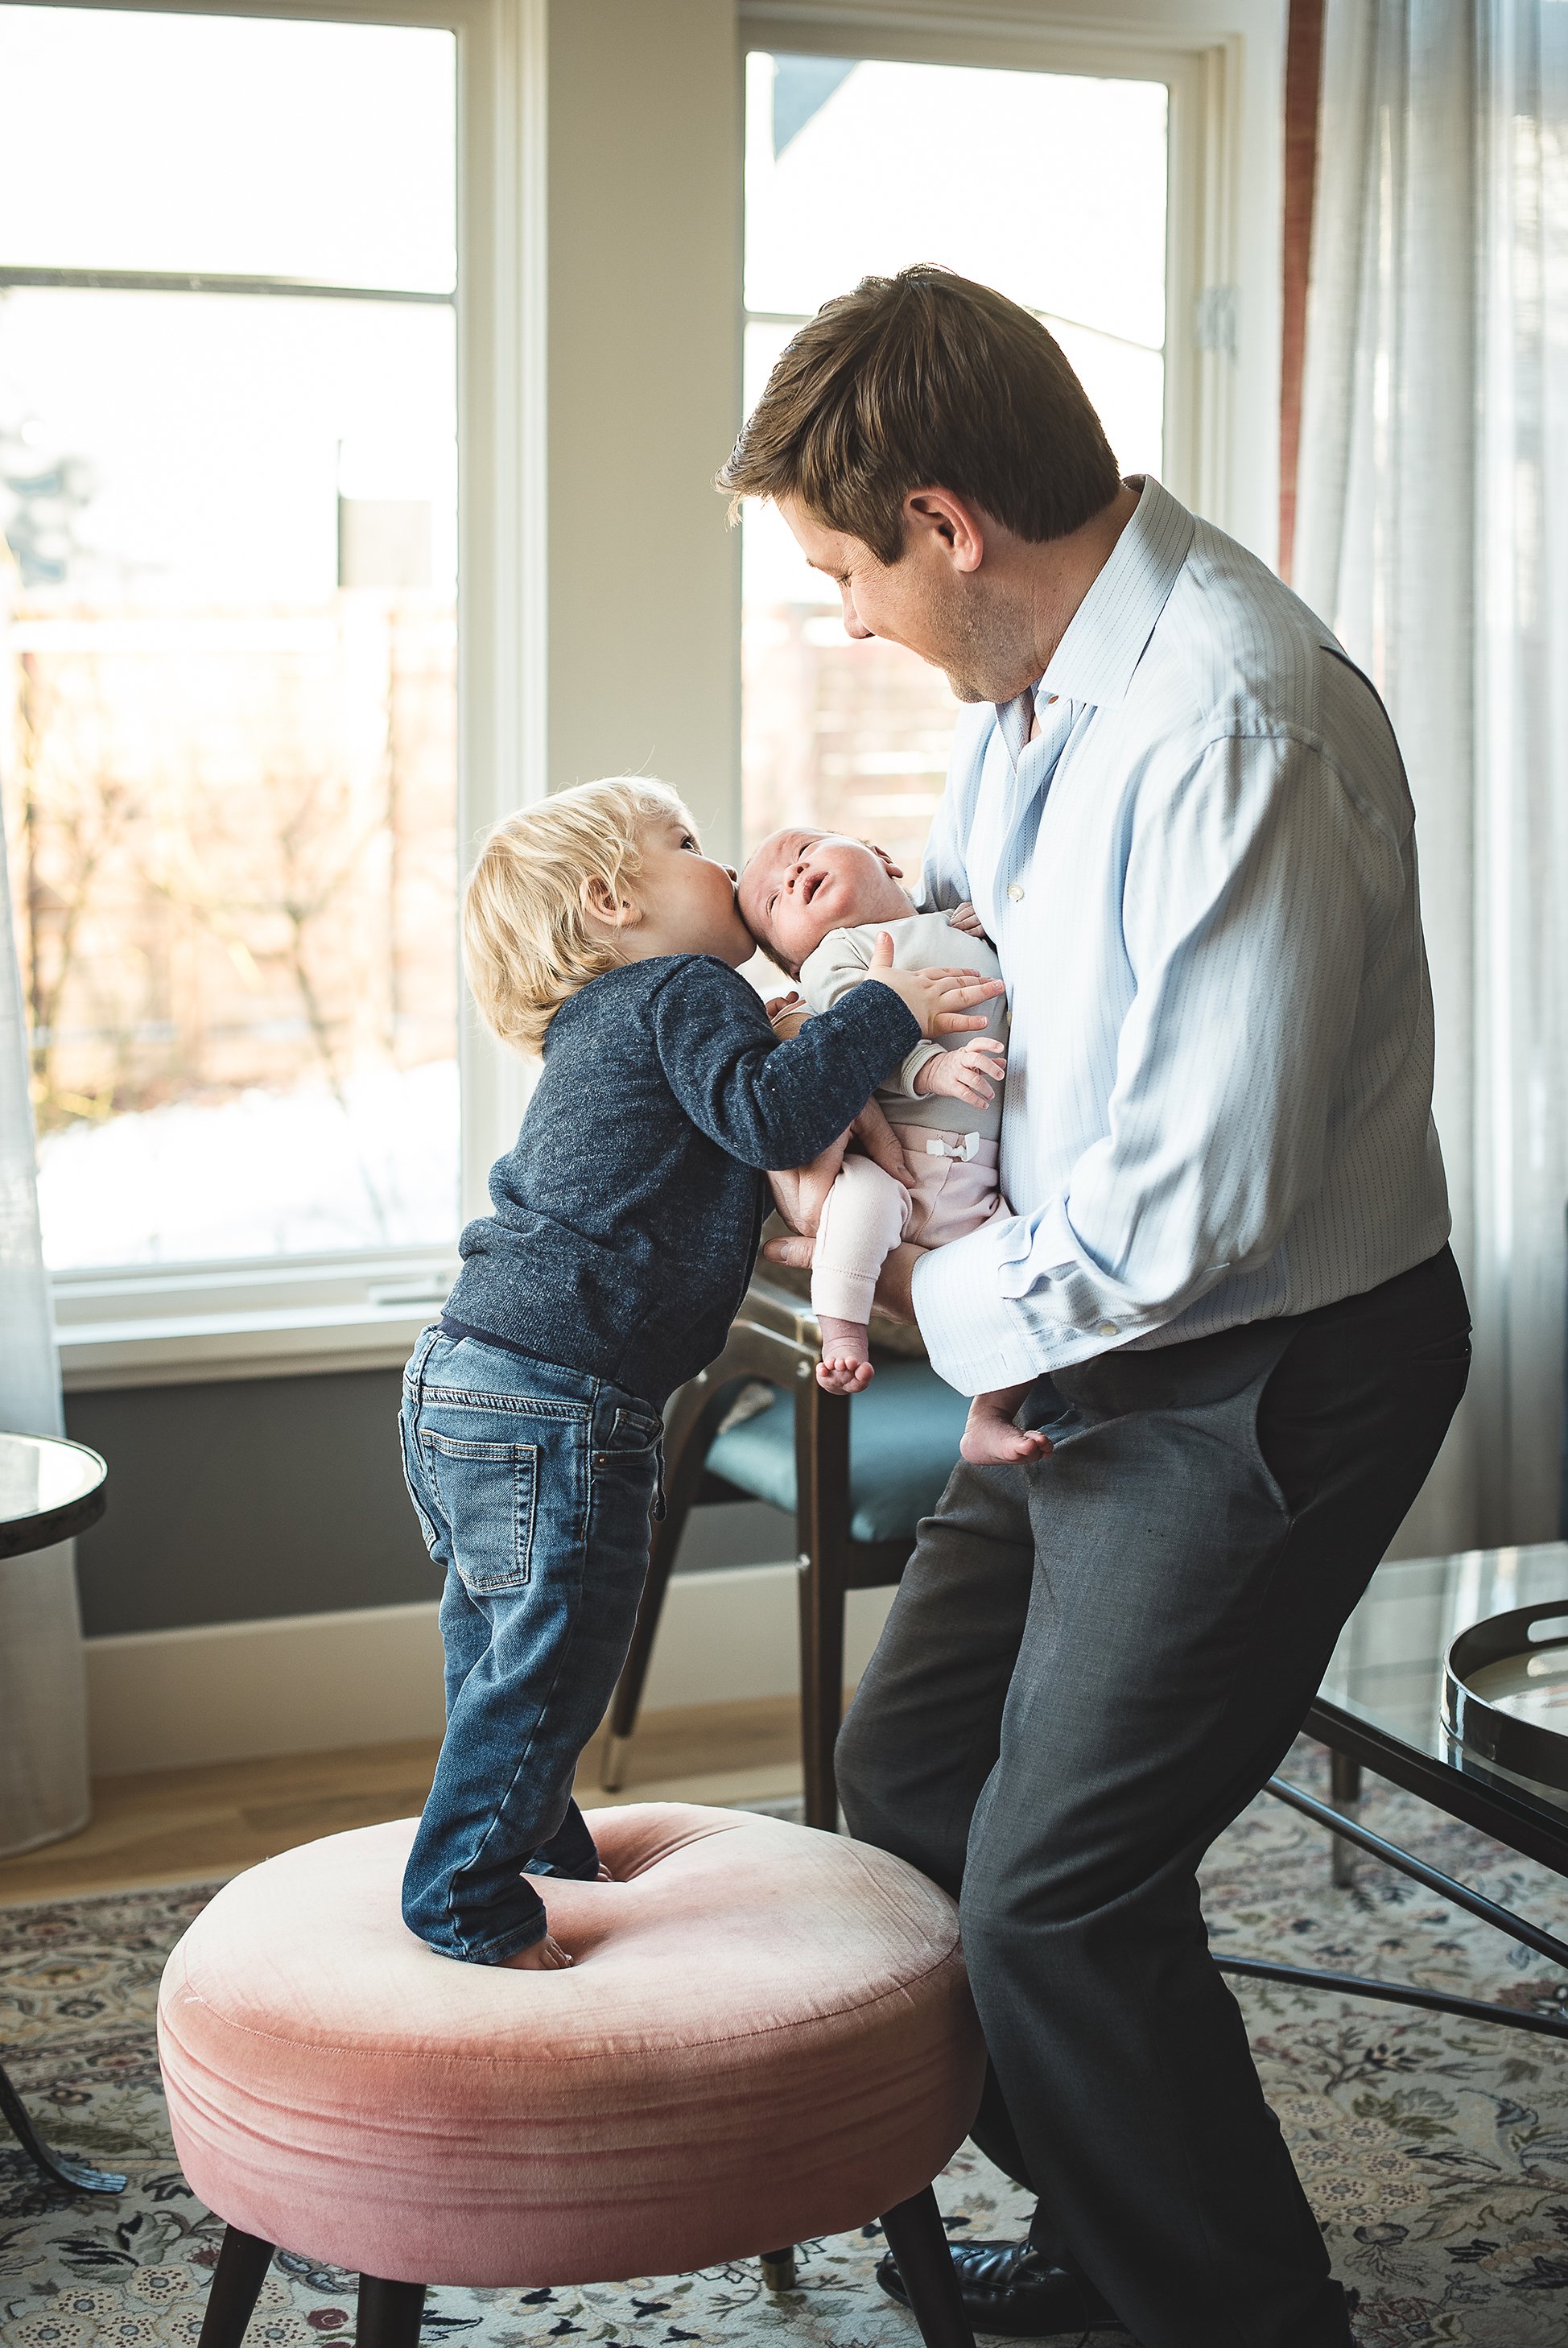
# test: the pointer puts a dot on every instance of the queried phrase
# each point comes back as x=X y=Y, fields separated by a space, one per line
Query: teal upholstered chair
x=857 y=1476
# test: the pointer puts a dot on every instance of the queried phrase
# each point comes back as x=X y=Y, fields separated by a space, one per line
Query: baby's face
x=801 y=884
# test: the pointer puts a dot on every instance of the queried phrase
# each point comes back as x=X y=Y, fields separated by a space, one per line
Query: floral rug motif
x=1434 y=2151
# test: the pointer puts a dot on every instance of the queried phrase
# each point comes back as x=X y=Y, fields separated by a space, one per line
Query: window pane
x=858 y=166
x=228 y=752
x=233 y=145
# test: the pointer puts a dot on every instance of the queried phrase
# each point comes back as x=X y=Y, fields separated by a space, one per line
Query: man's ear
x=602 y=904
x=895 y=872
x=958 y=527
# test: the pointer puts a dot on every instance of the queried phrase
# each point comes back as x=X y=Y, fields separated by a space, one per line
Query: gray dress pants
x=1090 y=1667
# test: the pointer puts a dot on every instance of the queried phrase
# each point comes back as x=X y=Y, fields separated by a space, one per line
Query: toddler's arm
x=780 y=1104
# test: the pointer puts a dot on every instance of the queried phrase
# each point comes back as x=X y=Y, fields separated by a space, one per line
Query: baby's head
x=563 y=891
x=801 y=884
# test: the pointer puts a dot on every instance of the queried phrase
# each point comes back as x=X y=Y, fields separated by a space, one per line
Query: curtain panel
x=1432 y=534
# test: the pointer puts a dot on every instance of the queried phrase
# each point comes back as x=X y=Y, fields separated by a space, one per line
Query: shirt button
x=1109 y=1329
x=1016 y=890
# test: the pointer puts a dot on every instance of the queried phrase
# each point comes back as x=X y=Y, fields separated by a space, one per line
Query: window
x=228 y=622
x=847 y=172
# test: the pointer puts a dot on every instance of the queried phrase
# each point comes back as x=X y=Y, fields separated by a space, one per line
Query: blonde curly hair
x=528 y=943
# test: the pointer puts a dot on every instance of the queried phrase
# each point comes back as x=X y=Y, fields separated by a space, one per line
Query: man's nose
x=853 y=623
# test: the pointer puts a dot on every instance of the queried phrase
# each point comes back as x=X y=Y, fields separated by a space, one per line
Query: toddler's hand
x=963 y=917
x=939 y=999
x=970 y=1073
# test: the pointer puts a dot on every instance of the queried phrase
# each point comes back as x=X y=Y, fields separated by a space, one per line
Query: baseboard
x=320 y=1683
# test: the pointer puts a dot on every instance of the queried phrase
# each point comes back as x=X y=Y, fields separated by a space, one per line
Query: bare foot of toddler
x=990 y=1437
x=546 y=1956
x=846 y=1365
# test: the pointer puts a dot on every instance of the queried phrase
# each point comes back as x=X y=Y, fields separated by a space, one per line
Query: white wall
x=645 y=211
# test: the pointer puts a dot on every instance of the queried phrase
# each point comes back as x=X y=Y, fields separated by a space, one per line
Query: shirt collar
x=1106 y=636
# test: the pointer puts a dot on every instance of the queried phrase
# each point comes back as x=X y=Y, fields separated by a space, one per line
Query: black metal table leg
x=1350 y=1831
x=74 y=2175
x=1344 y=1793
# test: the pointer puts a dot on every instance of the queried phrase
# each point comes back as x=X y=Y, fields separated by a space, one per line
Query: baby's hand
x=939 y=999
x=963 y=917
x=970 y=1073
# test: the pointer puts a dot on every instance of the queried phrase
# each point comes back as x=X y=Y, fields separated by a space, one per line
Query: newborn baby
x=817 y=902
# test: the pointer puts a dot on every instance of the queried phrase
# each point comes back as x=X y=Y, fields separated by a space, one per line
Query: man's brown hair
x=925 y=381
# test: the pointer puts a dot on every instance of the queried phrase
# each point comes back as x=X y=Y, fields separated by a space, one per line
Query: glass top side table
x=1380 y=1706
x=50 y=1491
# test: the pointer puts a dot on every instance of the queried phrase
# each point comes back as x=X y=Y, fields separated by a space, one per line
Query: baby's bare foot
x=546 y=1956
x=991 y=1439
x=845 y=1366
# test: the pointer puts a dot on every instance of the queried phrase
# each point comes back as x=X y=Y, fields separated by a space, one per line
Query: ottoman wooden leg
x=241 y=2271
x=778 y=2268
x=918 y=2242
x=389 y=2313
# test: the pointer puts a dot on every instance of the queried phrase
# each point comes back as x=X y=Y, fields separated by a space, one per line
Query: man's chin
x=972 y=688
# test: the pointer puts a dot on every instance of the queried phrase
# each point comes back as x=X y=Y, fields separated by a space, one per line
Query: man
x=1182 y=817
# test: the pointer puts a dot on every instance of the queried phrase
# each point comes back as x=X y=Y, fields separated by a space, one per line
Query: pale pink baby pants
x=949 y=1192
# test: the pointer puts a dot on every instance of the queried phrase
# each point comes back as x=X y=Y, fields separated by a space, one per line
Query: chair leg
x=238 y=2277
x=822 y=1687
x=691 y=1423
x=778 y=2268
x=919 y=2244
x=388 y=2314
x=628 y=1695
x=823 y=1532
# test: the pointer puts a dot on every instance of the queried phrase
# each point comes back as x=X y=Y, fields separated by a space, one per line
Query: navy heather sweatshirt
x=627 y=1217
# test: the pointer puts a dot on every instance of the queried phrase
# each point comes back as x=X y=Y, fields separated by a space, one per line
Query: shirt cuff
x=992 y=1313
x=903 y=1078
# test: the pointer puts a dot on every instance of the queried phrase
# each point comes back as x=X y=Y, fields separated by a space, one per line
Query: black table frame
x=1495 y=1809
x=18 y=1537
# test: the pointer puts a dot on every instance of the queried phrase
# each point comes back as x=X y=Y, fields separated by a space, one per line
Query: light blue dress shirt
x=1200 y=879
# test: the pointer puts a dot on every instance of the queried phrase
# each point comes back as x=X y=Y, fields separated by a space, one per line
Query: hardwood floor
x=177 y=1826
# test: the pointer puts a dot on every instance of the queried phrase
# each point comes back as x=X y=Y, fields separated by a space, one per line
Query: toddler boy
x=817 y=901
x=596 y=935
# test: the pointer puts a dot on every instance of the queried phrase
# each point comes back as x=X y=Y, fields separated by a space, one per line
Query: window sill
x=166 y=1327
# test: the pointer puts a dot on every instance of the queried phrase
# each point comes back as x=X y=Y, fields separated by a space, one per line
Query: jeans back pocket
x=488 y=1493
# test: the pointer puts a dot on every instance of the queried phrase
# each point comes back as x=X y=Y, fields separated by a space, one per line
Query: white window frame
x=590 y=643
x=279 y=1315
x=1203 y=69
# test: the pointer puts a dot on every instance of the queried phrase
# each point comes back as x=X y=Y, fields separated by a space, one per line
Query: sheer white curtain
x=1432 y=533
x=43 y=1713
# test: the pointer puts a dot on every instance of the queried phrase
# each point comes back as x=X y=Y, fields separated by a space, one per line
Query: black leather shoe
x=1009 y=2287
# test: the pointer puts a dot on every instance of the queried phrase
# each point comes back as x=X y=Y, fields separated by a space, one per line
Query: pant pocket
x=489 y=1494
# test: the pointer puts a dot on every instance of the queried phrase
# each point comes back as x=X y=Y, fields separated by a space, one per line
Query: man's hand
x=938 y=999
x=971 y=1073
x=800 y=1193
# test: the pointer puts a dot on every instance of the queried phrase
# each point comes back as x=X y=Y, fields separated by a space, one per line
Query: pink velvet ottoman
x=767 y=2036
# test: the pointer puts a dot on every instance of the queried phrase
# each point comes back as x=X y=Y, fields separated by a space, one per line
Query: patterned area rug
x=1435 y=2151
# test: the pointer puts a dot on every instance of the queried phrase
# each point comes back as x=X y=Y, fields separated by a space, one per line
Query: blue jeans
x=533 y=1486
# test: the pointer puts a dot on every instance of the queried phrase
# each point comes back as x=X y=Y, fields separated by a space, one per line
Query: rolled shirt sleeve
x=1256 y=890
